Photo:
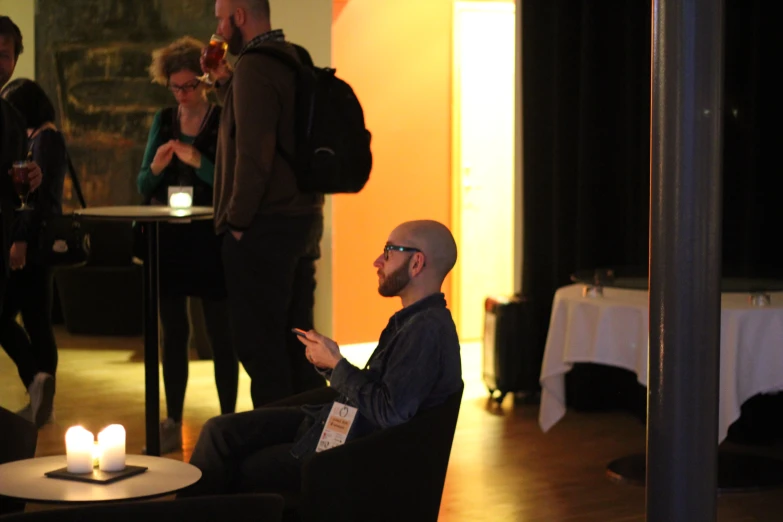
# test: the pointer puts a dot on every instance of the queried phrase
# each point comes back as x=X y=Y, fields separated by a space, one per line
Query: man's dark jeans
x=227 y=441
x=270 y=277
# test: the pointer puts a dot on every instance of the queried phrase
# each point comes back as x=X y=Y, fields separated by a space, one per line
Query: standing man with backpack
x=271 y=230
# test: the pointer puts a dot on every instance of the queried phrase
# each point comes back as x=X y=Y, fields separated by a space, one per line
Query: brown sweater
x=251 y=178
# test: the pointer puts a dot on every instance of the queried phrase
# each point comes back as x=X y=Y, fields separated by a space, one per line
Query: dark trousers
x=3 y=284
x=249 y=451
x=270 y=278
x=32 y=347
x=3 y=273
x=176 y=332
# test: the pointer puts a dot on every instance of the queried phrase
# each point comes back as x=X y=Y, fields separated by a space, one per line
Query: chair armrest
x=18 y=437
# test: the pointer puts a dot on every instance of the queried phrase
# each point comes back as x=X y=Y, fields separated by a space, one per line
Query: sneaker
x=41 y=398
x=170 y=437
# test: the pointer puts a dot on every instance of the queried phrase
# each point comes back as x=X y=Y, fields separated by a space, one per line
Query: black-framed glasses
x=397 y=248
x=188 y=87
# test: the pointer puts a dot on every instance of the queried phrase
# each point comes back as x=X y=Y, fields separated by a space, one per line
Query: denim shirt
x=416 y=365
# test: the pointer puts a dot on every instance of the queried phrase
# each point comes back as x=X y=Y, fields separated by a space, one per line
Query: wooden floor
x=502 y=467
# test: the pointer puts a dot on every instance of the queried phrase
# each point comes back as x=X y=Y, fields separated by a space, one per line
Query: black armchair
x=394 y=474
x=18 y=440
x=225 y=508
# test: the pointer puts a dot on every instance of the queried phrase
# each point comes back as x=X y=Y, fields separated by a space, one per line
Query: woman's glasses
x=185 y=88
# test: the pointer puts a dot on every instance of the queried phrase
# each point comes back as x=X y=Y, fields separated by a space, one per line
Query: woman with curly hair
x=181 y=152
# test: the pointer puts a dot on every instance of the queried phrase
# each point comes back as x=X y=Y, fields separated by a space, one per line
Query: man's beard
x=392 y=284
x=235 y=43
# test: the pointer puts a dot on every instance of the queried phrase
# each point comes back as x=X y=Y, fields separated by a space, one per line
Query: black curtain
x=586 y=132
x=586 y=135
x=753 y=140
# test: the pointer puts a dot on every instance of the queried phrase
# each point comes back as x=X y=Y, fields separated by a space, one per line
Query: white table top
x=614 y=330
x=25 y=480
x=144 y=213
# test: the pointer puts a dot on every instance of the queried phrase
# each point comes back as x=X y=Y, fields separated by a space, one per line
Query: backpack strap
x=304 y=55
x=282 y=56
x=77 y=187
x=296 y=64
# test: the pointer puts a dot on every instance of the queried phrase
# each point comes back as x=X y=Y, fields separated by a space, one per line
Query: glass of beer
x=214 y=53
x=20 y=177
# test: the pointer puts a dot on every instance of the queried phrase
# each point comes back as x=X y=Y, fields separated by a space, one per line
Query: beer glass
x=20 y=176
x=213 y=54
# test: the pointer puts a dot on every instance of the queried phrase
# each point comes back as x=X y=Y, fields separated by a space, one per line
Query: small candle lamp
x=112 y=452
x=180 y=197
x=79 y=445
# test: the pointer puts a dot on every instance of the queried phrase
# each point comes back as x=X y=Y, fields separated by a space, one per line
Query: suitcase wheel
x=497 y=395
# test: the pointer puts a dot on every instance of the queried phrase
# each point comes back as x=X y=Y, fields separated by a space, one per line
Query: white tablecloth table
x=613 y=330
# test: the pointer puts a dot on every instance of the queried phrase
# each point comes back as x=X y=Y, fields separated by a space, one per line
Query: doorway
x=483 y=170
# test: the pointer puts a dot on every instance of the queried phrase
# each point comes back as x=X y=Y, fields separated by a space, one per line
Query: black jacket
x=13 y=147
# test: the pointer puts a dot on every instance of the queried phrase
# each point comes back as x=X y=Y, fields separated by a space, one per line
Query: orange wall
x=337 y=8
x=397 y=57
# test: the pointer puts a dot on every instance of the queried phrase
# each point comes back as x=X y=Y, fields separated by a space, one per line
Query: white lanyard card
x=337 y=426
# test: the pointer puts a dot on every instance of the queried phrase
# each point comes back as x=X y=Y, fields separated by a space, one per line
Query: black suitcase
x=512 y=359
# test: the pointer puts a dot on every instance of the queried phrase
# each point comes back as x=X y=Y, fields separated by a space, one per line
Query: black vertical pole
x=685 y=260
x=151 y=340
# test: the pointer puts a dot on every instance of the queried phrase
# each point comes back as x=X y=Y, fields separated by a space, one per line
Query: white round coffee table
x=25 y=480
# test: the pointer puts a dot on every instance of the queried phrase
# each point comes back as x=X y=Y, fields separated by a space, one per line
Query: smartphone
x=299 y=332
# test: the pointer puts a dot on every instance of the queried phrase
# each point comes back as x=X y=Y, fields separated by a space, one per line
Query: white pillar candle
x=112 y=442
x=78 y=449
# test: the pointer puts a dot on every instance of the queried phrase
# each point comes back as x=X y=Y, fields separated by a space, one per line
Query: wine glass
x=20 y=176
x=213 y=54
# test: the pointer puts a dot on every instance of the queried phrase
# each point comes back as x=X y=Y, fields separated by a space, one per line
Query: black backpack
x=332 y=153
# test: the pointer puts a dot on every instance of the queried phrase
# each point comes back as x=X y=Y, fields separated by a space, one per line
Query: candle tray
x=97 y=476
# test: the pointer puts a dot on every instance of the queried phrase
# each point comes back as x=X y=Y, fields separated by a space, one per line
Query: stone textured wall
x=92 y=58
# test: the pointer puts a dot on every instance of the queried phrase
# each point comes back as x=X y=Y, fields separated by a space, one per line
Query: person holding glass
x=272 y=231
x=181 y=153
x=31 y=285
x=13 y=147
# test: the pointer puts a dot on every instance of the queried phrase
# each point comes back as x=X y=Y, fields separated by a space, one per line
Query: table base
x=737 y=472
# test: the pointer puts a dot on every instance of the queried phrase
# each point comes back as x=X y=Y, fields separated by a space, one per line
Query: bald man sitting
x=415 y=366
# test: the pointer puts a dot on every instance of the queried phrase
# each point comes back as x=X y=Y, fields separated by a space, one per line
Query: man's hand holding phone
x=319 y=350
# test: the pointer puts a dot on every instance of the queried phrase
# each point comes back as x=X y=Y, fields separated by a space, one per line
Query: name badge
x=337 y=427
